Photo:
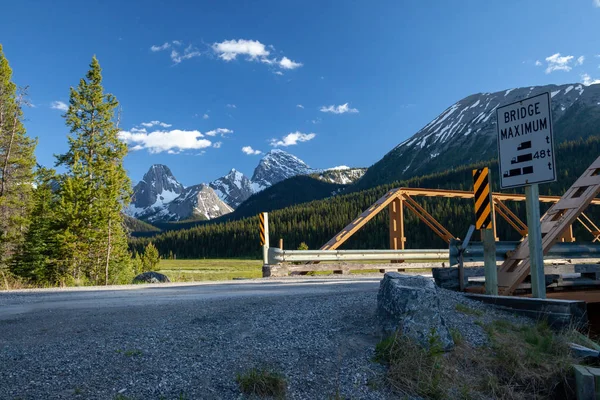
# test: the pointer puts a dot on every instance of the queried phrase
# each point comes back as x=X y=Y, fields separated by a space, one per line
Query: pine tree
x=150 y=258
x=37 y=259
x=95 y=187
x=17 y=161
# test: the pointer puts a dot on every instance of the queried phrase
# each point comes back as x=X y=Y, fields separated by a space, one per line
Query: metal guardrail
x=278 y=256
x=474 y=251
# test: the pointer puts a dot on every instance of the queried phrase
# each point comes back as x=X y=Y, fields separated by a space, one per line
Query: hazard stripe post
x=264 y=235
x=483 y=199
x=484 y=220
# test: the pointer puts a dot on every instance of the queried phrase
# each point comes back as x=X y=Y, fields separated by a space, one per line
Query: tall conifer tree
x=95 y=187
x=17 y=161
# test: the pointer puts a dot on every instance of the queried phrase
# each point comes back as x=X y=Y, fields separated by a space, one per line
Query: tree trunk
x=8 y=151
x=108 y=249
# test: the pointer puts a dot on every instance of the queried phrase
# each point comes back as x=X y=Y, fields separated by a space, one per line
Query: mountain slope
x=158 y=188
x=341 y=175
x=198 y=201
x=276 y=166
x=233 y=188
x=295 y=190
x=466 y=131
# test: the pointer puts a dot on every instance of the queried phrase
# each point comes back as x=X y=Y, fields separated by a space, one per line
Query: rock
x=151 y=277
x=411 y=304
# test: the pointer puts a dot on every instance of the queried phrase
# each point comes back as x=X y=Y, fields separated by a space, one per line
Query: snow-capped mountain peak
x=233 y=188
x=276 y=166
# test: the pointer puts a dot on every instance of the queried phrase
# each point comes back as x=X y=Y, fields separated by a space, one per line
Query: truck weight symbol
x=524 y=145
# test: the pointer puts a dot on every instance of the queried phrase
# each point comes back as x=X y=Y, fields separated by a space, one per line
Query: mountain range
x=466 y=131
x=463 y=134
x=159 y=197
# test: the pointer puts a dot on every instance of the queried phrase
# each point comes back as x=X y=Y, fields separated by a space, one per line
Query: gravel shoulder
x=190 y=340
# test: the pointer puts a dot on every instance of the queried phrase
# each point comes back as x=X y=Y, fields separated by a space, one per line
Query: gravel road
x=180 y=341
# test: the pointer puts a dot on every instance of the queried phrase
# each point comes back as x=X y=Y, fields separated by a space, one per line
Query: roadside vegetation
x=520 y=362
x=262 y=382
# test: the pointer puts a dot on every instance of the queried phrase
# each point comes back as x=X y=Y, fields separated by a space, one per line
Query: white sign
x=525 y=146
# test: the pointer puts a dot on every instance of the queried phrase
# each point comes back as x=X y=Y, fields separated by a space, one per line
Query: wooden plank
x=516 y=267
x=584 y=383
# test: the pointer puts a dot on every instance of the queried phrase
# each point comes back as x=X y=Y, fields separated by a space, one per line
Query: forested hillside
x=317 y=221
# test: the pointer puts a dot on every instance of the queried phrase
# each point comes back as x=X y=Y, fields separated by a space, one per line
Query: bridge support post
x=536 y=258
x=397 y=239
x=264 y=235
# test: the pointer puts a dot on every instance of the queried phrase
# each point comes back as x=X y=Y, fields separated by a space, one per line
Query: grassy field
x=227 y=269
x=210 y=269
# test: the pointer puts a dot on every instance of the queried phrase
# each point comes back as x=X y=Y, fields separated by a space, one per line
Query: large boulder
x=410 y=304
x=151 y=277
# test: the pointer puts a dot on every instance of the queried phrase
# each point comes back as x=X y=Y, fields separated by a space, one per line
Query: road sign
x=525 y=145
x=483 y=203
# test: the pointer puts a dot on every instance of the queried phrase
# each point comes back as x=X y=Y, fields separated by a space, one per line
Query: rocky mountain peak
x=159 y=186
x=233 y=188
x=276 y=166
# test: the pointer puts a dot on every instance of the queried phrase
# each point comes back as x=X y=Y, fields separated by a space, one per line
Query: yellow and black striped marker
x=483 y=204
x=261 y=217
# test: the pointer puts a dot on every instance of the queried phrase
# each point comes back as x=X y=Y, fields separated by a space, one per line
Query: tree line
x=65 y=228
x=316 y=222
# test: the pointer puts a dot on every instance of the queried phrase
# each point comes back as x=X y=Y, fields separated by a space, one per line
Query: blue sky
x=332 y=82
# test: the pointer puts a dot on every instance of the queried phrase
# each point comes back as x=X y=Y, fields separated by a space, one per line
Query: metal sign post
x=484 y=220
x=538 y=277
x=526 y=158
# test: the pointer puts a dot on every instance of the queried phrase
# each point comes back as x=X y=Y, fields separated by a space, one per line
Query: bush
x=303 y=246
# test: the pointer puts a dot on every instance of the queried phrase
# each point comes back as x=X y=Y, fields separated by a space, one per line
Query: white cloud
x=597 y=3
x=189 y=52
x=159 y=141
x=229 y=49
x=538 y=63
x=176 y=55
x=341 y=109
x=205 y=116
x=250 y=151
x=292 y=139
x=217 y=145
x=231 y=106
x=155 y=123
x=286 y=63
x=299 y=106
x=580 y=60
x=59 y=105
x=253 y=50
x=587 y=80
x=162 y=47
x=556 y=62
x=219 y=131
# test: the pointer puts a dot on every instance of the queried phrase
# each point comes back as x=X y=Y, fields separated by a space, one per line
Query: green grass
x=520 y=362
x=210 y=269
x=262 y=383
x=468 y=310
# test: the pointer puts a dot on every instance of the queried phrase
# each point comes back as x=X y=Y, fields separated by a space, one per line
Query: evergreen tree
x=151 y=258
x=17 y=161
x=37 y=259
x=95 y=187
